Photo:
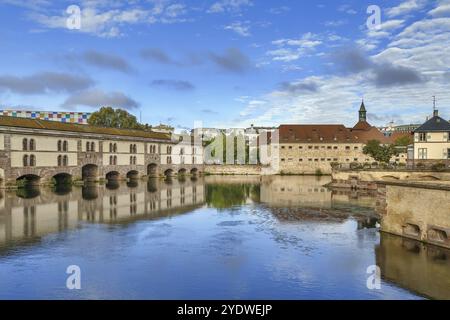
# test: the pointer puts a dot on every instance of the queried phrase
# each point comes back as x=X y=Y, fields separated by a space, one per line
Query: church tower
x=362 y=112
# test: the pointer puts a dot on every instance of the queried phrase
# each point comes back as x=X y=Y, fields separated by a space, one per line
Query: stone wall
x=416 y=211
x=235 y=170
x=368 y=179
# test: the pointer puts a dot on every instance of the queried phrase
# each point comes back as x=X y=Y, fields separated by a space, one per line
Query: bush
x=438 y=167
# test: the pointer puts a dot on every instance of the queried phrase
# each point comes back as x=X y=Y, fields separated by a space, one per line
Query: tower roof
x=363 y=107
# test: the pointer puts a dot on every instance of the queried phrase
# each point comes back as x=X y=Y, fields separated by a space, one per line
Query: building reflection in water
x=31 y=213
x=421 y=268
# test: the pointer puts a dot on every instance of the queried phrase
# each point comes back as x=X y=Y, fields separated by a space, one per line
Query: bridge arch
x=152 y=170
x=89 y=172
x=29 y=180
x=113 y=176
x=194 y=171
x=182 y=172
x=168 y=173
x=62 y=178
x=133 y=175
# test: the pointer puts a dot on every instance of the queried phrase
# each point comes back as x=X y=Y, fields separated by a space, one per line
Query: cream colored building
x=432 y=140
x=44 y=150
x=308 y=149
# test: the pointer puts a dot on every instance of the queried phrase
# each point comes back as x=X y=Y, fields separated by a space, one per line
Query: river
x=208 y=238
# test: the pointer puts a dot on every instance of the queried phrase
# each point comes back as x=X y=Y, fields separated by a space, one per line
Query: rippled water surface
x=207 y=238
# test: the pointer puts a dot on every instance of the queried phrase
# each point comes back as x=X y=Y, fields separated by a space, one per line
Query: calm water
x=210 y=238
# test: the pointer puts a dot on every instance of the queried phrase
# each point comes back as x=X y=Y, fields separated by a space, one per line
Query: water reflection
x=35 y=212
x=286 y=228
x=424 y=269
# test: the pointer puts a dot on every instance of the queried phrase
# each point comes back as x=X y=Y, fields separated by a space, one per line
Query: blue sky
x=228 y=63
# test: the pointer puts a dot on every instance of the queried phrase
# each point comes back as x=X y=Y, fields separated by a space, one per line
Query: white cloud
x=105 y=18
x=406 y=7
x=241 y=28
x=442 y=9
x=292 y=49
x=229 y=6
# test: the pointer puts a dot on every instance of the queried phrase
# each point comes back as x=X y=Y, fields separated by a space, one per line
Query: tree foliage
x=379 y=152
x=404 y=141
x=115 y=118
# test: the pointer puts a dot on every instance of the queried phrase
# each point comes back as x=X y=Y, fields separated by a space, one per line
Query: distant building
x=432 y=140
x=59 y=116
x=391 y=128
x=305 y=149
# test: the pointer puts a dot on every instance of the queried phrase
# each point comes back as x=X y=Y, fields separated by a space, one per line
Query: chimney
x=435 y=113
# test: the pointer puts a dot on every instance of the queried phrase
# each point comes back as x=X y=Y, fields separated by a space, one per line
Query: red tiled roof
x=362 y=125
x=329 y=134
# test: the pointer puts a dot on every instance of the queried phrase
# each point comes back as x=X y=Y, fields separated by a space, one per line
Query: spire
x=362 y=112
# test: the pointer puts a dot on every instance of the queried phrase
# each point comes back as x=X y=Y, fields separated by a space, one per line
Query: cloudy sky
x=228 y=63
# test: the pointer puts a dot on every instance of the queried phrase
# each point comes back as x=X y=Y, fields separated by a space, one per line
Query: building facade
x=42 y=150
x=309 y=149
x=432 y=141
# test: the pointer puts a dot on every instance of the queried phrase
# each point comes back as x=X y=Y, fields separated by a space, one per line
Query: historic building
x=306 y=149
x=41 y=150
x=432 y=141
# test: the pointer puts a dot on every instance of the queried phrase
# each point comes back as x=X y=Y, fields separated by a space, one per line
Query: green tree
x=404 y=141
x=379 y=152
x=114 y=118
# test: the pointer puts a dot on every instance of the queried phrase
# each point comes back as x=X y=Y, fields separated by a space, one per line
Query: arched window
x=32 y=145
x=93 y=146
x=110 y=148
x=88 y=146
x=65 y=146
x=115 y=148
x=59 y=145
x=131 y=160
x=25 y=160
x=135 y=148
x=65 y=161
x=131 y=148
x=59 y=161
x=32 y=160
x=25 y=144
x=110 y=160
x=115 y=160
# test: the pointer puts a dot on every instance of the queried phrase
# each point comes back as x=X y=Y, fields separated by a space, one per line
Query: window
x=335 y=147
x=347 y=148
x=111 y=160
x=115 y=160
x=115 y=147
x=65 y=161
x=110 y=147
x=32 y=160
x=448 y=153
x=423 y=153
x=25 y=160
x=88 y=147
x=93 y=146
x=32 y=145
x=59 y=161
x=422 y=137
x=59 y=145
x=65 y=146
x=25 y=144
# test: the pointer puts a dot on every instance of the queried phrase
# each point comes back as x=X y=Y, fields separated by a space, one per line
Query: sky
x=228 y=63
